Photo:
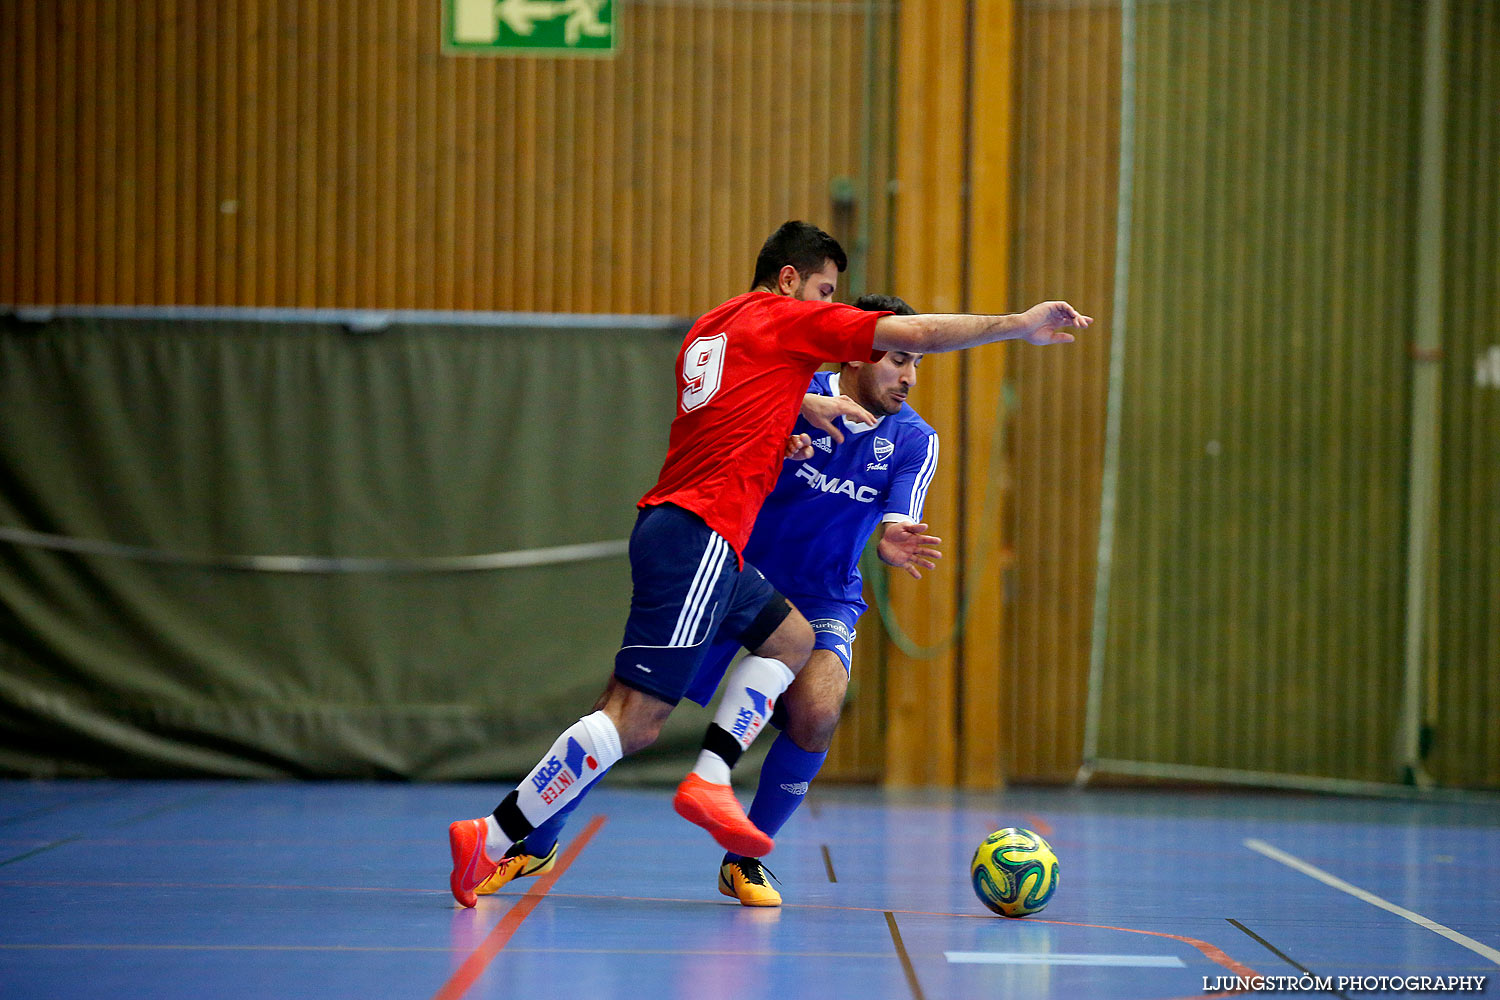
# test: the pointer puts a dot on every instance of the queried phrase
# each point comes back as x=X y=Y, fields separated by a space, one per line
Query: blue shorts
x=687 y=591
x=833 y=628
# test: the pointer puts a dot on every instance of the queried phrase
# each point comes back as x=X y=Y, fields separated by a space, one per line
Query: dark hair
x=875 y=302
x=800 y=244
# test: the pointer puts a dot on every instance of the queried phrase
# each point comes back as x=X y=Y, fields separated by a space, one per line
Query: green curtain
x=229 y=438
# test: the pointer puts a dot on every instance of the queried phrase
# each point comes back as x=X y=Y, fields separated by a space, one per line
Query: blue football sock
x=784 y=777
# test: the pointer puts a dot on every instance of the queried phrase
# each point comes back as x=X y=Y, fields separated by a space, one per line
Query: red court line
x=1212 y=952
x=1038 y=824
x=468 y=973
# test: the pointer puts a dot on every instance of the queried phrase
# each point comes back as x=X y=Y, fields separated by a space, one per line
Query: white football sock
x=749 y=698
x=586 y=749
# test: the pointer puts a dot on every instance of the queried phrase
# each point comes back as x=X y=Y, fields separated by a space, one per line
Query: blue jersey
x=814 y=525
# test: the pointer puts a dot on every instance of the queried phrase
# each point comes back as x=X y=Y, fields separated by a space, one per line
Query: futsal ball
x=1014 y=872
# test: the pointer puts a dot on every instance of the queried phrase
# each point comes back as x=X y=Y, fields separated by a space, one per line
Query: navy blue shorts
x=687 y=591
x=833 y=629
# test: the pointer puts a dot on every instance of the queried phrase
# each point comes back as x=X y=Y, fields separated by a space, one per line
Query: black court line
x=148 y=814
x=828 y=863
x=911 y=973
x=54 y=807
x=38 y=850
x=1289 y=960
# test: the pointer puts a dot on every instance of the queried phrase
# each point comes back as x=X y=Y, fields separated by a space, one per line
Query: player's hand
x=905 y=545
x=1045 y=322
x=799 y=447
x=823 y=412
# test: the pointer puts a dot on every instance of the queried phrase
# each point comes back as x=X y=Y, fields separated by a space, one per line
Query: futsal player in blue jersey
x=807 y=541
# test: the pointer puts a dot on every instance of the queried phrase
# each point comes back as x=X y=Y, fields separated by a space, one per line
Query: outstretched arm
x=905 y=545
x=932 y=333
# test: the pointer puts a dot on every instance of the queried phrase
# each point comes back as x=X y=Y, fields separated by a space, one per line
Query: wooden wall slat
x=64 y=210
x=223 y=181
x=988 y=721
x=921 y=710
x=12 y=48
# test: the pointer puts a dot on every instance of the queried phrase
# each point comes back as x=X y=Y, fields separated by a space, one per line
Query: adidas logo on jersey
x=798 y=788
x=824 y=443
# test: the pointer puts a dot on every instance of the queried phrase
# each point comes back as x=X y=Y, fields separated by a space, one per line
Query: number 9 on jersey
x=702 y=370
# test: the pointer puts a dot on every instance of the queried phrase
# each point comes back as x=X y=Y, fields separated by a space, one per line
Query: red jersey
x=741 y=375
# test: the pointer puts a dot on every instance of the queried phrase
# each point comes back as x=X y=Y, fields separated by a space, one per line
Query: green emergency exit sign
x=530 y=27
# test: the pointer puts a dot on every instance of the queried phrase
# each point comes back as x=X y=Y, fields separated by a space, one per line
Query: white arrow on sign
x=582 y=16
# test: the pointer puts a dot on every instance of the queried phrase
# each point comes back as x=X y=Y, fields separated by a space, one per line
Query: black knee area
x=767 y=621
x=717 y=740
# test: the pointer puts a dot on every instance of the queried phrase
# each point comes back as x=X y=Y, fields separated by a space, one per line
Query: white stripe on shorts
x=699 y=591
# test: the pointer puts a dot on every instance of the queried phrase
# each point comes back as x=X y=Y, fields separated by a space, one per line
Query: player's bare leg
x=638 y=716
x=815 y=701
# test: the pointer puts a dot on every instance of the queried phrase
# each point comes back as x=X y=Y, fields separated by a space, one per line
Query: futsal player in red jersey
x=741 y=376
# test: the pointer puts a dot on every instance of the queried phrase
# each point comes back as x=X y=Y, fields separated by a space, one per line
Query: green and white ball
x=1014 y=872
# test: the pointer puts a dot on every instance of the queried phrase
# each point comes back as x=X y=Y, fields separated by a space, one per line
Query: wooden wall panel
x=943 y=704
x=987 y=718
x=1066 y=157
x=921 y=706
x=273 y=153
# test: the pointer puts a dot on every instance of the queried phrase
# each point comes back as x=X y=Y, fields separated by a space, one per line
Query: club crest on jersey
x=883 y=449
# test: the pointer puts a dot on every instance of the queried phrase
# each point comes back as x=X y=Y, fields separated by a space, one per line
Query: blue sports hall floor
x=224 y=889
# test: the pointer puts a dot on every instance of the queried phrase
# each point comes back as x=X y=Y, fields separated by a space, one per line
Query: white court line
x=1276 y=854
x=1035 y=958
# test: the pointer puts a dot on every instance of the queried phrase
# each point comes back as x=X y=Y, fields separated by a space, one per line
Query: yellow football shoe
x=516 y=864
x=745 y=879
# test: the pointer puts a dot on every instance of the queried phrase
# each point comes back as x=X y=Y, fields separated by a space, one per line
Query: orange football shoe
x=471 y=865
x=715 y=808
